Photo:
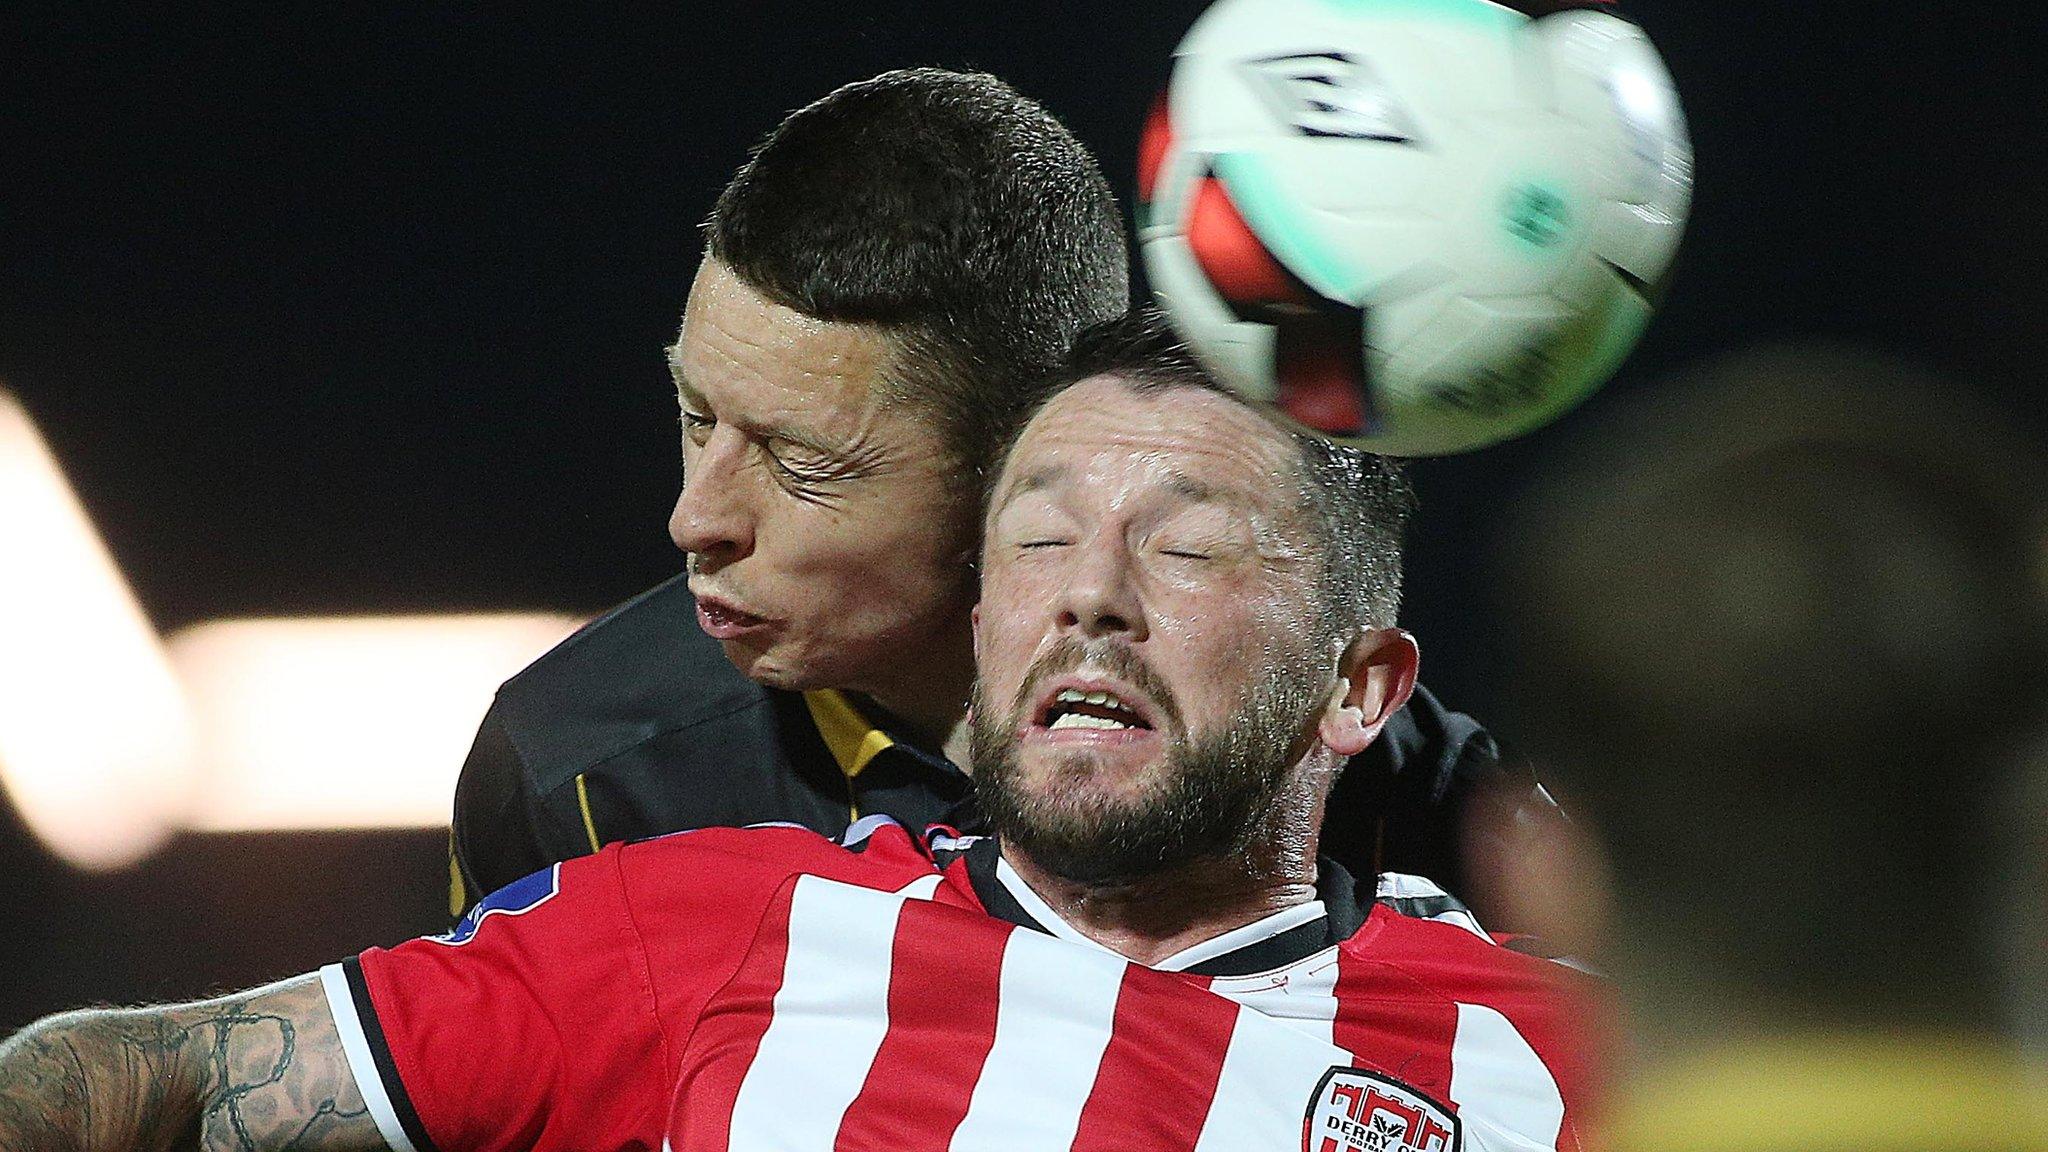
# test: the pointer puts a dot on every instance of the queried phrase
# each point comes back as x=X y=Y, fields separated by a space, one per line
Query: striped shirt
x=768 y=989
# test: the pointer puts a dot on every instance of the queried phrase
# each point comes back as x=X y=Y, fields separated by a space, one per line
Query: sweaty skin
x=1169 y=539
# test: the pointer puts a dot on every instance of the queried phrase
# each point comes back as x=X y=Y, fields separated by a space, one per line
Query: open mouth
x=728 y=615
x=1075 y=709
x=723 y=621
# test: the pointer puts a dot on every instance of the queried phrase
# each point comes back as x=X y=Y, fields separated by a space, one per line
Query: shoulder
x=642 y=668
x=1446 y=953
x=1420 y=898
x=1508 y=1002
x=875 y=852
x=655 y=634
x=1432 y=748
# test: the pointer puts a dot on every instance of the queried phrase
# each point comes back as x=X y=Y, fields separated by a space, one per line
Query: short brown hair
x=951 y=211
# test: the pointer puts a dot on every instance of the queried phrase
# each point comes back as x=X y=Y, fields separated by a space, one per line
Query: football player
x=1186 y=630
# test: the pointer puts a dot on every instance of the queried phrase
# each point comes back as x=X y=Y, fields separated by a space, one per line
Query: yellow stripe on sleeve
x=458 y=892
x=583 y=802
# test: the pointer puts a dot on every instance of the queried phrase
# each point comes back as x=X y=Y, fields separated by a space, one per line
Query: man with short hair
x=883 y=283
x=1186 y=630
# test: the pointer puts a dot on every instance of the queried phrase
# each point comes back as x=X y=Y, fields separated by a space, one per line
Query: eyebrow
x=1179 y=483
x=1034 y=480
x=687 y=394
x=1194 y=490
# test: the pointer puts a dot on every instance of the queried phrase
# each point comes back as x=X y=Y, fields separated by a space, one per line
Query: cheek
x=1016 y=591
x=1225 y=641
x=880 y=576
x=1214 y=622
x=1000 y=665
x=894 y=598
x=1014 y=617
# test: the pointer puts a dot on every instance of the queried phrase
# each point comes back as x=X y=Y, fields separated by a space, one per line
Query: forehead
x=738 y=347
x=1103 y=433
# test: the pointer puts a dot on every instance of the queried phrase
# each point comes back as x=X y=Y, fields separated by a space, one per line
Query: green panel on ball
x=1592 y=350
x=1538 y=215
x=1277 y=218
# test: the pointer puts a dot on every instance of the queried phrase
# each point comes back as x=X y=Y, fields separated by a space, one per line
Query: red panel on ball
x=1321 y=384
x=1232 y=258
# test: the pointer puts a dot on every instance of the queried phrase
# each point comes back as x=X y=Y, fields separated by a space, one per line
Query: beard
x=1208 y=798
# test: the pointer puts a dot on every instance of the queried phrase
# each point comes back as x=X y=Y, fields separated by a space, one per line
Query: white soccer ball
x=1422 y=226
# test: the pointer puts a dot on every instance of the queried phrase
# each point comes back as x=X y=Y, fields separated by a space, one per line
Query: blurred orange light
x=343 y=722
x=95 y=741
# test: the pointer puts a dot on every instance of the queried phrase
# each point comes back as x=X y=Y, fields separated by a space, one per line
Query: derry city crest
x=1358 y=1111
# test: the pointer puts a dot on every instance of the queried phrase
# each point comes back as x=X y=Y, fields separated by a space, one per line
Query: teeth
x=1076 y=696
x=1083 y=720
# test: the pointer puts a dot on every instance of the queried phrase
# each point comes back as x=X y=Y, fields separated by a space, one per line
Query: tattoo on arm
x=253 y=1072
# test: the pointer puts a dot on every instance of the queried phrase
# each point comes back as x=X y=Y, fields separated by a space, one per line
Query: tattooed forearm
x=95 y=1080
x=280 y=1079
x=260 y=1071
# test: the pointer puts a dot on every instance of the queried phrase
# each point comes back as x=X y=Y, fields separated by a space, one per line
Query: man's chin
x=1093 y=821
x=1103 y=848
x=770 y=666
x=1091 y=827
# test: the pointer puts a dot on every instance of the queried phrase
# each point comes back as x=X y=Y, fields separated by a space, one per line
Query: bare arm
x=262 y=1069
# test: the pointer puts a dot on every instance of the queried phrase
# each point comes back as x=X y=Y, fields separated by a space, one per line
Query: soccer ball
x=1421 y=226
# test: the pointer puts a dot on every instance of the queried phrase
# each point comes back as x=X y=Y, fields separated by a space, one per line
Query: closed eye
x=795 y=474
x=1183 y=554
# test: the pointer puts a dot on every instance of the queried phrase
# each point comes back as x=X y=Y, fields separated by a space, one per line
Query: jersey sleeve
x=492 y=838
x=1529 y=1052
x=531 y=1025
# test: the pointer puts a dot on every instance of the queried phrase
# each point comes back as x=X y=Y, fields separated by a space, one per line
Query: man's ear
x=1375 y=676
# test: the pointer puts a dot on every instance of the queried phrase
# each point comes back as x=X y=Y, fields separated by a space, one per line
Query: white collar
x=1243 y=935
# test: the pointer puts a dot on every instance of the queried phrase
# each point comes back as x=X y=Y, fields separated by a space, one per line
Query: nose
x=712 y=520
x=1100 y=596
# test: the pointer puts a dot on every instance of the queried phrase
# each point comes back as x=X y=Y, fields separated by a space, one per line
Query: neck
x=940 y=728
x=1151 y=918
x=930 y=702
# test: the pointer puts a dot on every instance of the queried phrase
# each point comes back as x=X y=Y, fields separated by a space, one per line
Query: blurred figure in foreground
x=1781 y=639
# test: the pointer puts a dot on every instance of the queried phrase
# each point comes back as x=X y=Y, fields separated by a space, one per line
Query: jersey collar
x=852 y=738
x=1276 y=941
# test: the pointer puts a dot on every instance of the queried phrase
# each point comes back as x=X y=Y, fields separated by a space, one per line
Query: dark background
x=336 y=308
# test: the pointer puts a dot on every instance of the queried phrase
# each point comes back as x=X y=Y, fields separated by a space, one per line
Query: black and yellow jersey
x=638 y=725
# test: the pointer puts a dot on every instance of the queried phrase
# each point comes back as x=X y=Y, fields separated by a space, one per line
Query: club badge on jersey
x=1354 y=1110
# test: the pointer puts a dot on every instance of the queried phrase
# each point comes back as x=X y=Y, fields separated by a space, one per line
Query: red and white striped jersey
x=769 y=989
